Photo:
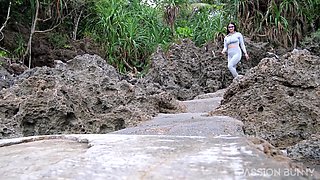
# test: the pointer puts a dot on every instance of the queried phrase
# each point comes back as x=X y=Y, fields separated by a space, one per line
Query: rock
x=307 y=152
x=187 y=71
x=278 y=100
x=18 y=68
x=86 y=95
x=306 y=149
x=6 y=79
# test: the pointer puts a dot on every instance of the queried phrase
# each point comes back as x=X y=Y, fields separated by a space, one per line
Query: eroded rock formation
x=279 y=101
x=85 y=95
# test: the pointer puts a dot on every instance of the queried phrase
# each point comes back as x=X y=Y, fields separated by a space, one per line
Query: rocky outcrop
x=85 y=95
x=307 y=151
x=278 y=100
x=187 y=71
x=6 y=80
x=8 y=70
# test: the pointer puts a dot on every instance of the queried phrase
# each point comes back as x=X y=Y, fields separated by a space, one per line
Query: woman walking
x=232 y=43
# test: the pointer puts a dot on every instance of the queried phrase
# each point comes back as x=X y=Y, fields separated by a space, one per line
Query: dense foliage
x=130 y=30
x=283 y=23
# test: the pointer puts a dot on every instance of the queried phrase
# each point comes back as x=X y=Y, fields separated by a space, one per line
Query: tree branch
x=74 y=34
x=33 y=27
x=1 y=36
x=55 y=26
x=3 y=49
x=33 y=30
x=47 y=30
x=5 y=23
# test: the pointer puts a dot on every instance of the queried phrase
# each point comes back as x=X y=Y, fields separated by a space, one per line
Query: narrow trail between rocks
x=189 y=145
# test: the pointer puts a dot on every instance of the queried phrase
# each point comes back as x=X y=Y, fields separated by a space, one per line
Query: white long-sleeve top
x=236 y=39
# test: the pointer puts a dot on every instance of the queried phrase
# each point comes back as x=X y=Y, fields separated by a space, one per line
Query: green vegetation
x=313 y=38
x=20 y=47
x=283 y=22
x=130 y=30
x=317 y=34
x=58 y=40
x=3 y=53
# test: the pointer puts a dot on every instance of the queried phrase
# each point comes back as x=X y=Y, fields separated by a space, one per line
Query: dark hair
x=235 y=27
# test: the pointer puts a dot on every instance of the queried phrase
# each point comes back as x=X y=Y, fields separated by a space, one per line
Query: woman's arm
x=225 y=46
x=243 y=47
x=241 y=42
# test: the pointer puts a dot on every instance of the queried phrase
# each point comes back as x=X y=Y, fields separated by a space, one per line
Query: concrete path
x=135 y=157
x=187 y=124
x=170 y=146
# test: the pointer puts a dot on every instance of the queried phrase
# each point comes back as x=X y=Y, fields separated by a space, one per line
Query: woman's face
x=231 y=28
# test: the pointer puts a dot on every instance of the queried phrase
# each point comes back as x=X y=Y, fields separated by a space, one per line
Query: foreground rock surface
x=138 y=157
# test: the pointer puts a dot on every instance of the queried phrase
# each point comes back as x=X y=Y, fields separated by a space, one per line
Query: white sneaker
x=238 y=78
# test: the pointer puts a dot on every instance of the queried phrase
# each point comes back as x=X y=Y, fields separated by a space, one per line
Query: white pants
x=234 y=57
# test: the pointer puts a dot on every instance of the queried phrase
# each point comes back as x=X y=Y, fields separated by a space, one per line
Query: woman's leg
x=233 y=60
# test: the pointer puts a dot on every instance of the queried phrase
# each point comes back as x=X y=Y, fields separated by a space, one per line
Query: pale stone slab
x=112 y=156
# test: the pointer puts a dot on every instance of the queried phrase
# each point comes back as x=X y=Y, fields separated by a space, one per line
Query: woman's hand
x=247 y=56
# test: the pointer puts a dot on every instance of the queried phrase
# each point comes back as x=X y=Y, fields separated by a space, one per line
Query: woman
x=232 y=42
